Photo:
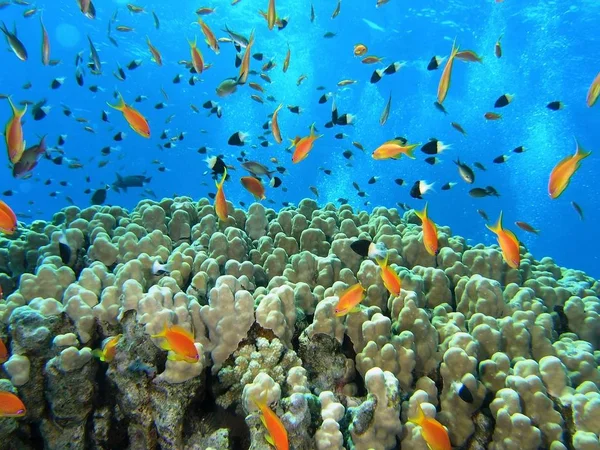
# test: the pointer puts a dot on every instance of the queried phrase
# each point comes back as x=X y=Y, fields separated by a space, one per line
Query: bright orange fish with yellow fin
x=134 y=118
x=430 y=239
x=564 y=170
x=220 y=201
x=276 y=433
x=13 y=133
x=304 y=145
x=509 y=244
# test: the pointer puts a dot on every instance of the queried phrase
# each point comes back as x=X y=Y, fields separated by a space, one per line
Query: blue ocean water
x=550 y=52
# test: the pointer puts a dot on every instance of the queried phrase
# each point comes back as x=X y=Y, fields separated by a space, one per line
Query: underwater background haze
x=551 y=52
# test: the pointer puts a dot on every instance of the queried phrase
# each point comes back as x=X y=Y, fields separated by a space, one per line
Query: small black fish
x=8 y=193
x=432 y=160
x=399 y=181
x=57 y=82
x=501 y=159
x=64 y=249
x=347 y=154
x=448 y=186
x=294 y=109
x=345 y=119
x=393 y=68
x=258 y=56
x=519 y=149
x=578 y=209
x=376 y=76
x=134 y=64
x=275 y=182
x=503 y=101
x=465 y=172
x=479 y=166
x=483 y=214
x=478 y=193
x=434 y=147
x=555 y=106
x=98 y=197
x=464 y=392
x=440 y=107
x=119 y=136
x=373 y=180
x=324 y=98
x=434 y=63
x=419 y=188
x=237 y=139
x=105 y=116
x=366 y=248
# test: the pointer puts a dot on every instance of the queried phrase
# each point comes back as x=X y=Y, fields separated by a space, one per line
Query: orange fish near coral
x=275 y=125
x=13 y=133
x=432 y=431
x=564 y=170
x=8 y=219
x=109 y=348
x=220 y=202
x=254 y=186
x=134 y=118
x=349 y=300
x=444 y=84
x=509 y=244
x=11 y=405
x=304 y=145
x=3 y=352
x=276 y=433
x=390 y=278
x=180 y=341
x=430 y=239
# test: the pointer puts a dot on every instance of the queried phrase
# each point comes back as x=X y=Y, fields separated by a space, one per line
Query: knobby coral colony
x=213 y=322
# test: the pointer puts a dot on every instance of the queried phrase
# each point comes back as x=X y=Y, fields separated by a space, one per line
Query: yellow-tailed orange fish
x=220 y=202
x=134 y=118
x=430 y=239
x=349 y=300
x=245 y=66
x=372 y=59
x=275 y=125
x=45 y=45
x=509 y=244
x=564 y=170
x=180 y=341
x=14 y=43
x=13 y=134
x=390 y=278
x=11 y=405
x=3 y=352
x=286 y=61
x=254 y=186
x=360 y=49
x=594 y=91
x=109 y=348
x=304 y=145
x=134 y=8
x=197 y=59
x=271 y=14
x=444 y=84
x=394 y=149
x=276 y=433
x=155 y=53
x=8 y=219
x=432 y=431
x=211 y=40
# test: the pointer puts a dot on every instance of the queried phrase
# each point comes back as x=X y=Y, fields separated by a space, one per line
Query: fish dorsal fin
x=180 y=330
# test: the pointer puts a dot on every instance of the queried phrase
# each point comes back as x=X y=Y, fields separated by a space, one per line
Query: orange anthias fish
x=3 y=352
x=13 y=133
x=394 y=149
x=430 y=239
x=8 y=219
x=564 y=170
x=254 y=186
x=360 y=49
x=11 y=405
x=211 y=40
x=155 y=53
x=469 y=56
x=509 y=244
x=245 y=66
x=197 y=59
x=498 y=48
x=492 y=116
x=271 y=14
x=594 y=91
x=275 y=125
x=109 y=348
x=220 y=202
x=304 y=145
x=276 y=433
x=180 y=341
x=136 y=121
x=390 y=278
x=444 y=84
x=349 y=300
x=432 y=431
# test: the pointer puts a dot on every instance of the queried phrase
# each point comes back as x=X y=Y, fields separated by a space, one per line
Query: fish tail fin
x=581 y=153
x=163 y=333
x=422 y=214
x=383 y=262
x=454 y=49
x=411 y=151
x=120 y=106
x=98 y=354
x=419 y=418
x=220 y=184
x=497 y=227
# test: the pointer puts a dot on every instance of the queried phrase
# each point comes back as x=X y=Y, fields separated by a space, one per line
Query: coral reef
x=257 y=294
